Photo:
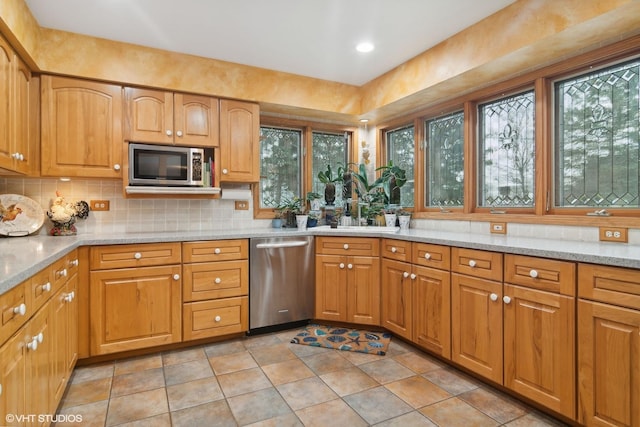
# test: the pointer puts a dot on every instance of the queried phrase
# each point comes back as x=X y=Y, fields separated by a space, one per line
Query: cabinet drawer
x=396 y=249
x=216 y=250
x=364 y=246
x=40 y=288
x=615 y=285
x=434 y=256
x=210 y=280
x=215 y=318
x=477 y=263
x=540 y=273
x=124 y=256
x=15 y=308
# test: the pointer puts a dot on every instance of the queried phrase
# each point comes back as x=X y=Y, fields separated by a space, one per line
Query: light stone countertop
x=22 y=257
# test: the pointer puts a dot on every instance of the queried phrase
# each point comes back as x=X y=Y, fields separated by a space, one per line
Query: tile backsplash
x=157 y=215
x=133 y=215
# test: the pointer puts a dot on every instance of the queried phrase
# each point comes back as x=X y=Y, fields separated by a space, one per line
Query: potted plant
x=290 y=208
x=314 y=216
x=404 y=219
x=315 y=201
x=328 y=178
x=276 y=222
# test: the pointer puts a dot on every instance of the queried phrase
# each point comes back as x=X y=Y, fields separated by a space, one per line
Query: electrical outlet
x=613 y=234
x=498 y=227
x=242 y=205
x=99 y=205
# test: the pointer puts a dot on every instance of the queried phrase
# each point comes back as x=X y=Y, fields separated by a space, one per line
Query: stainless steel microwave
x=162 y=165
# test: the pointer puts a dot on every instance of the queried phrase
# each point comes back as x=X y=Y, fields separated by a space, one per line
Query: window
x=329 y=149
x=280 y=165
x=507 y=152
x=444 y=157
x=400 y=151
x=597 y=138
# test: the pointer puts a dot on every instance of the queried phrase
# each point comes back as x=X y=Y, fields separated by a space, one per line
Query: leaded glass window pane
x=597 y=138
x=507 y=152
x=400 y=151
x=280 y=165
x=328 y=149
x=445 y=161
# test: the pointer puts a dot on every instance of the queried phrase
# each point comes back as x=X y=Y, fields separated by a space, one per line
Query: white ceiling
x=314 y=38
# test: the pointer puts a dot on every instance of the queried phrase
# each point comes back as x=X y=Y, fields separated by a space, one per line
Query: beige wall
x=523 y=36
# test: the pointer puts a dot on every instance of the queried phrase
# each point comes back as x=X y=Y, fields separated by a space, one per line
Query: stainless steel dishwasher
x=281 y=282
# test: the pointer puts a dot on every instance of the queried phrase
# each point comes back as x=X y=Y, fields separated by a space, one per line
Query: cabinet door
x=81 y=128
x=431 y=296
x=196 y=120
x=396 y=297
x=539 y=347
x=13 y=376
x=40 y=339
x=239 y=141
x=476 y=325
x=135 y=308
x=22 y=118
x=363 y=290
x=149 y=115
x=608 y=365
x=6 y=96
x=331 y=287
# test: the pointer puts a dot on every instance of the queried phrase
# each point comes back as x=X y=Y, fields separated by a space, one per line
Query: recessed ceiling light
x=365 y=47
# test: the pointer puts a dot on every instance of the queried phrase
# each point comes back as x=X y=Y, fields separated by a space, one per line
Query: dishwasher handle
x=277 y=245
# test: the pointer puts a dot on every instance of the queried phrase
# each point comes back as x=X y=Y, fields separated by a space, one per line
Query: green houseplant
x=328 y=178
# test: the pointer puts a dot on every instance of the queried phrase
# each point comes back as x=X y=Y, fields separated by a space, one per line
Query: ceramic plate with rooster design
x=19 y=215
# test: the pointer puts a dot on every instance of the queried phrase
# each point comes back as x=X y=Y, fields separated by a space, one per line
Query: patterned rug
x=344 y=339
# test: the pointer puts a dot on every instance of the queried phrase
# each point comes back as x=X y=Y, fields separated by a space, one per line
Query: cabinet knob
x=506 y=299
x=176 y=277
x=218 y=280
x=116 y=167
x=533 y=273
x=413 y=276
x=179 y=133
x=225 y=171
x=218 y=318
x=168 y=132
x=61 y=273
x=70 y=296
x=18 y=156
x=341 y=265
x=21 y=309
x=493 y=297
x=394 y=250
x=349 y=266
x=137 y=255
x=46 y=287
x=217 y=251
x=33 y=344
x=40 y=338
x=405 y=274
x=346 y=246
x=73 y=263
x=472 y=263
x=427 y=255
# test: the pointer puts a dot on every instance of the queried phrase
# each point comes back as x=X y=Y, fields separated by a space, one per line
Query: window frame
x=307 y=127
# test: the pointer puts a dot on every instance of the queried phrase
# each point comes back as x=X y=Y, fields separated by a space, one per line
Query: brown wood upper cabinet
x=162 y=117
x=17 y=151
x=239 y=141
x=81 y=128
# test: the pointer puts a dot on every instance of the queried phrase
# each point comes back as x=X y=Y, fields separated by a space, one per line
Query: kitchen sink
x=356 y=229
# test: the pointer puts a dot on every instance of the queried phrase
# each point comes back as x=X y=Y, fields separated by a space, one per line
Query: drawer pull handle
x=70 y=296
x=472 y=263
x=33 y=344
x=341 y=265
x=116 y=167
x=413 y=276
x=73 y=263
x=405 y=274
x=137 y=255
x=218 y=280
x=493 y=297
x=346 y=246
x=427 y=256
x=533 y=273
x=218 y=318
x=217 y=251
x=349 y=266
x=394 y=250
x=62 y=273
x=168 y=132
x=21 y=309
x=506 y=299
x=179 y=133
x=176 y=277
x=46 y=287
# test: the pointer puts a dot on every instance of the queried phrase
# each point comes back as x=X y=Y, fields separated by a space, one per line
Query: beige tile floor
x=266 y=381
